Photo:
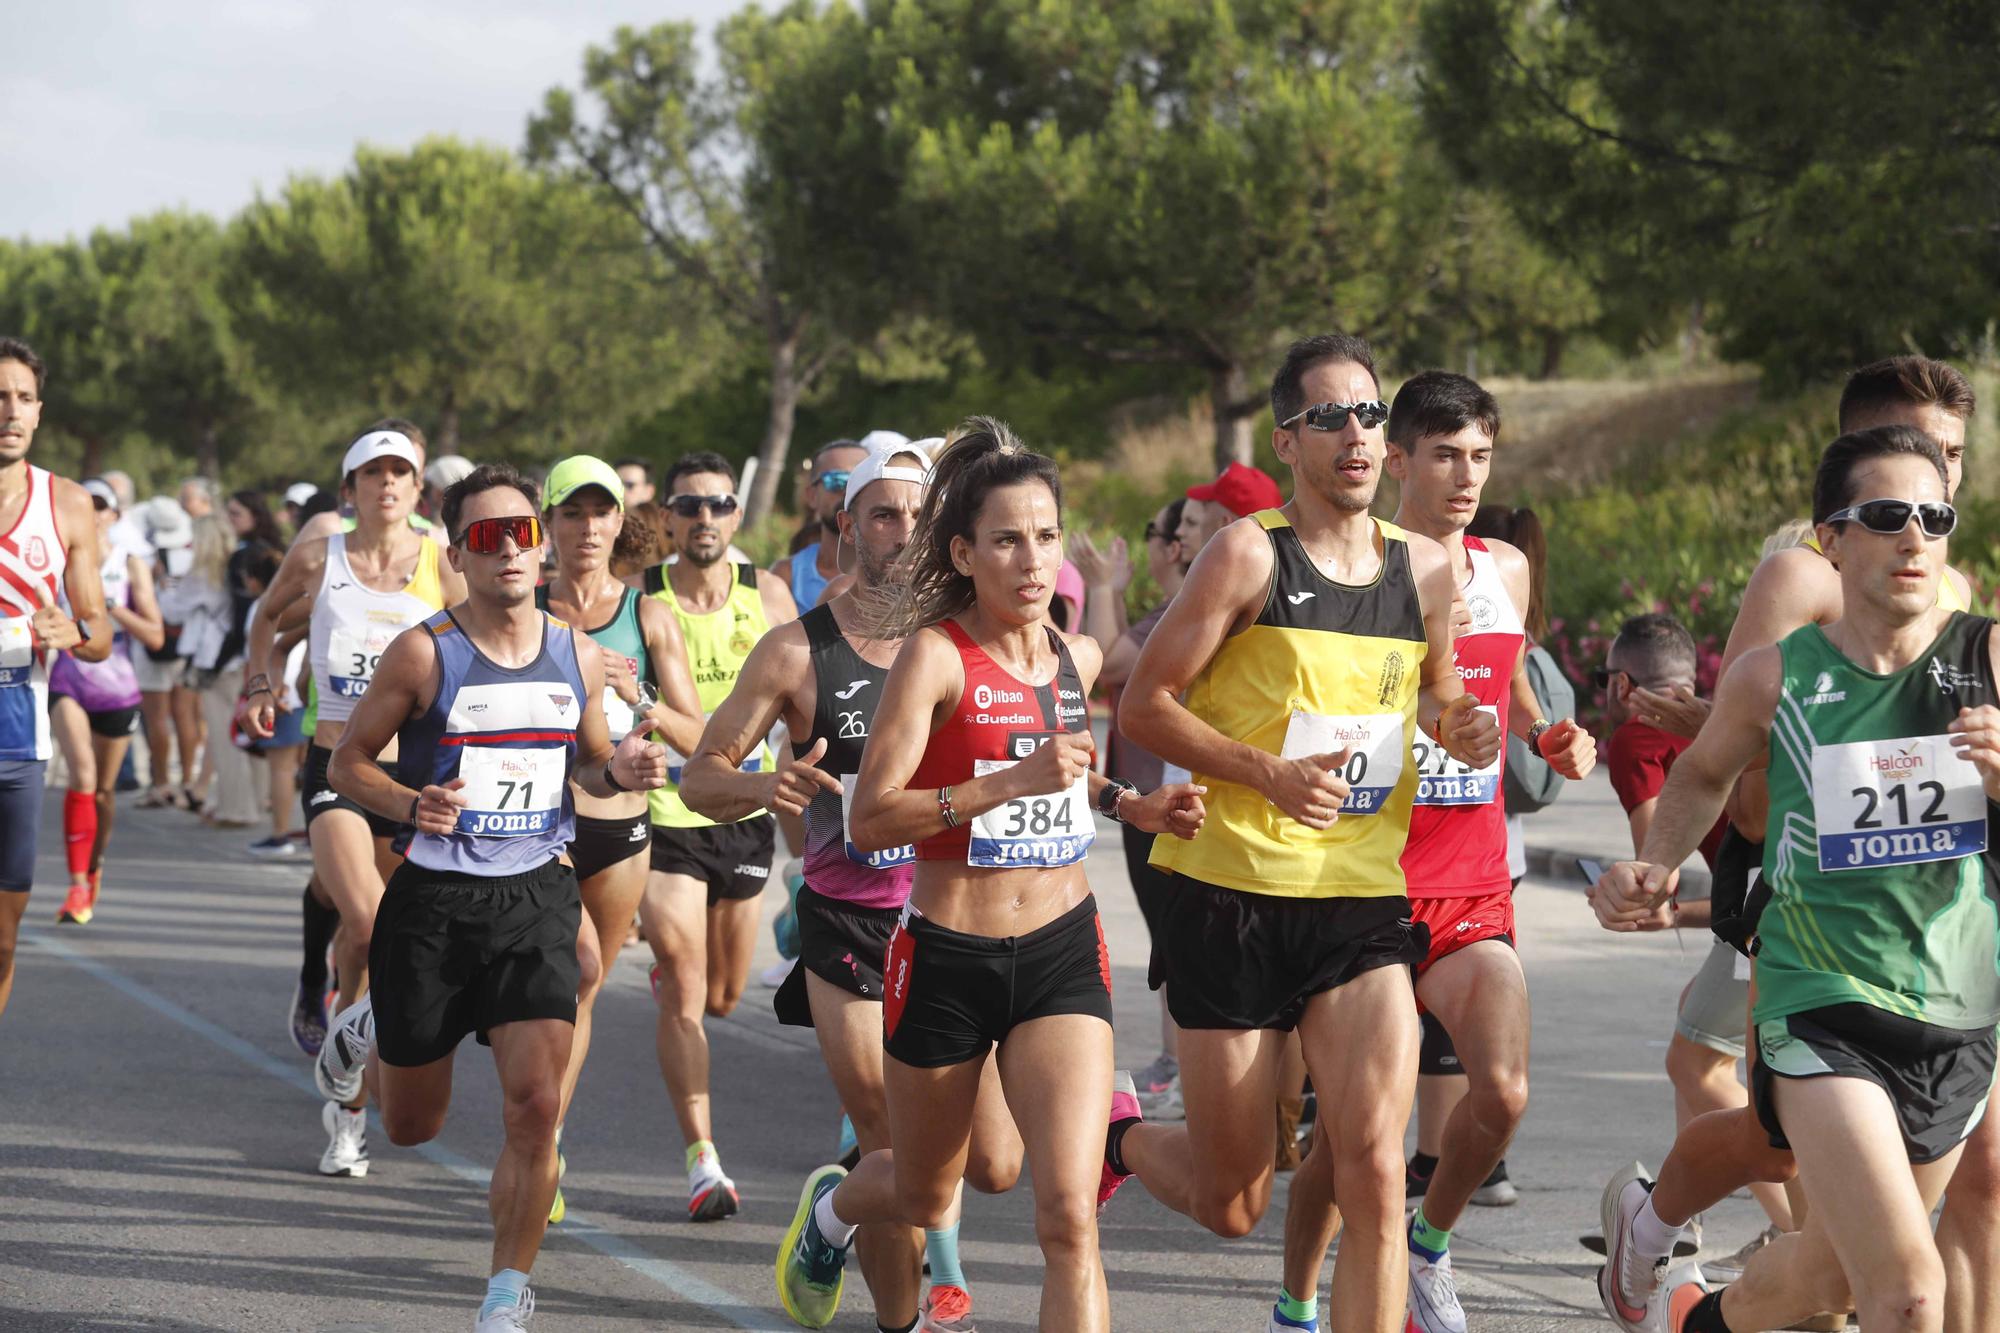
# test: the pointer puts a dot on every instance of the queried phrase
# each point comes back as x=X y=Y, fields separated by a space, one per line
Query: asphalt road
x=158 y=1137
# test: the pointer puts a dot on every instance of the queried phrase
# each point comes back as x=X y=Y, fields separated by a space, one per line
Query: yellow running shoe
x=811 y=1268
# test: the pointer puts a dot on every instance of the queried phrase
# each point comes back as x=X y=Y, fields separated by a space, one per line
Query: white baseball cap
x=876 y=467
x=882 y=439
x=99 y=489
x=380 y=444
x=299 y=492
x=448 y=471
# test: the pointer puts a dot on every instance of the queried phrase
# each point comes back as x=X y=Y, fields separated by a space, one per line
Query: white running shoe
x=711 y=1194
x=1628 y=1280
x=344 y=1054
x=347 y=1141
x=509 y=1319
x=1165 y=1104
x=1434 y=1306
x=1730 y=1267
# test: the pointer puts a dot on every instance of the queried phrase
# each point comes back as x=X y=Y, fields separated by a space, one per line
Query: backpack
x=1528 y=783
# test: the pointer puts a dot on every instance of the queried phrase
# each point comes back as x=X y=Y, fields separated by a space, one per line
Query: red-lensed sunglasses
x=487 y=536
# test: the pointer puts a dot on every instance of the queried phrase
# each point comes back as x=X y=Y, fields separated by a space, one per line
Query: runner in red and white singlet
x=1443 y=427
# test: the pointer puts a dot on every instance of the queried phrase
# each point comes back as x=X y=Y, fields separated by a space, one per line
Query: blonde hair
x=1792 y=532
x=213 y=542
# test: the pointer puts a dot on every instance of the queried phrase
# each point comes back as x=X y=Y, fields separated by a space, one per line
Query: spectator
x=223 y=793
x=297 y=496
x=1238 y=492
x=637 y=474
x=170 y=713
x=198 y=497
x=443 y=472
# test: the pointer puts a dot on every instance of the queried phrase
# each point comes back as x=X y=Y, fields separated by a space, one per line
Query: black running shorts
x=1937 y=1078
x=22 y=782
x=841 y=944
x=317 y=796
x=734 y=860
x=456 y=954
x=600 y=844
x=1242 y=961
x=949 y=996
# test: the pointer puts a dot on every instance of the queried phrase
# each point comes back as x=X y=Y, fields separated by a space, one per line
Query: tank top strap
x=822 y=630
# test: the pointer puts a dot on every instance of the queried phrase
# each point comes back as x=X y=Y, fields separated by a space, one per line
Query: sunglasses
x=690 y=506
x=1154 y=532
x=834 y=482
x=1890 y=517
x=488 y=536
x=1333 y=416
x=1601 y=676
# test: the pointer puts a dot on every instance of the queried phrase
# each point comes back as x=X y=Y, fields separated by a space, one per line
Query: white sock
x=830 y=1226
x=1650 y=1236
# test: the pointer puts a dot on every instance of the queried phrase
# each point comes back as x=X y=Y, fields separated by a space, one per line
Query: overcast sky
x=120 y=107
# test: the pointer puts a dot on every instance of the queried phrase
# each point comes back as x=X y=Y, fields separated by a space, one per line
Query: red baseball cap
x=1241 y=489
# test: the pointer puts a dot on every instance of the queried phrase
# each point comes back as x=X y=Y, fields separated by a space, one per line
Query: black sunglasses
x=1154 y=532
x=1890 y=517
x=690 y=506
x=1333 y=416
x=1601 y=676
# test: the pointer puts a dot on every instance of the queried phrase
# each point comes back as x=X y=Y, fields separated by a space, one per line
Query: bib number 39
x=1049 y=830
x=1896 y=802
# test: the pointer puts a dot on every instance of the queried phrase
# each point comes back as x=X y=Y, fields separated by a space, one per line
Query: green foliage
x=1818 y=172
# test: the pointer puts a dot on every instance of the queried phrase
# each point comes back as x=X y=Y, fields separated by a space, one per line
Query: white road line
x=676 y=1279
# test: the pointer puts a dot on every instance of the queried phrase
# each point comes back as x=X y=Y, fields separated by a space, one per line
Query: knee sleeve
x=1437 y=1055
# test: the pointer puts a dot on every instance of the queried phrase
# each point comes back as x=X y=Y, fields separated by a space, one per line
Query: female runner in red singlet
x=980 y=756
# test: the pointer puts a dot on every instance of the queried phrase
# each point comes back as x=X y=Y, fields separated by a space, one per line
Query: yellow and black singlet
x=1326 y=666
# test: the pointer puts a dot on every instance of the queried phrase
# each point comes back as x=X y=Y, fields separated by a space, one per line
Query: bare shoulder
x=1235 y=566
x=1085 y=652
x=1427 y=554
x=319 y=527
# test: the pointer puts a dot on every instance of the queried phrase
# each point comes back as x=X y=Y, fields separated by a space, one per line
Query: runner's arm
x=676 y=717
x=83 y=585
x=292 y=588
x=607 y=766
x=141 y=617
x=714 y=783
x=777 y=598
x=1445 y=709
x=405 y=681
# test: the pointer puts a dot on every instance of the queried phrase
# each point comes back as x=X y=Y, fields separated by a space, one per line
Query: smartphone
x=1590 y=869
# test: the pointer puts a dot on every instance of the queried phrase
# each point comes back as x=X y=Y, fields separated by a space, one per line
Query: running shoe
x=947 y=1309
x=344 y=1055
x=509 y=1318
x=711 y=1195
x=307 y=1019
x=811 y=1268
x=1730 y=1267
x=1280 y=1324
x=1434 y=1306
x=1165 y=1104
x=1498 y=1191
x=1157 y=1076
x=1414 y=1186
x=347 y=1141
x=1628 y=1281
x=558 y=1210
x=1680 y=1291
x=1124 y=1106
x=275 y=845
x=848 y=1150
x=75 y=910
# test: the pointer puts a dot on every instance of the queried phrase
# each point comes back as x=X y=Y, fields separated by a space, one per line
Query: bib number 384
x=1896 y=802
x=1374 y=767
x=1051 y=830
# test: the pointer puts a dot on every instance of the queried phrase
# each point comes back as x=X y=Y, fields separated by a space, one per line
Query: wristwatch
x=1535 y=735
x=1107 y=799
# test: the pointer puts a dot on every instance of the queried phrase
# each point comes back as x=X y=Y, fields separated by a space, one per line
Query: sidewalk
x=1586 y=820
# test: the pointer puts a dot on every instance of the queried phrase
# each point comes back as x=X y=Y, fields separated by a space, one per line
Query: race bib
x=1442 y=780
x=509 y=792
x=1376 y=764
x=895 y=856
x=352 y=652
x=17 y=650
x=1052 y=830
x=1896 y=802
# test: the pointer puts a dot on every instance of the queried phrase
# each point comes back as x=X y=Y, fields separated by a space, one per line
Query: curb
x=1559 y=864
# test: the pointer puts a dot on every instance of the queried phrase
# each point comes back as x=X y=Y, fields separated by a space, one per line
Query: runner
x=1724 y=1151
x=360 y=589
x=1876 y=987
x=495 y=707
x=636 y=474
x=1312 y=645
x=48 y=545
x=640 y=642
x=980 y=760
x=94 y=709
x=806 y=571
x=1444 y=428
x=823 y=676
x=700 y=906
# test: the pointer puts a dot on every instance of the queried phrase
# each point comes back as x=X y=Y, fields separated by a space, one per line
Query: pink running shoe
x=1124 y=1106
